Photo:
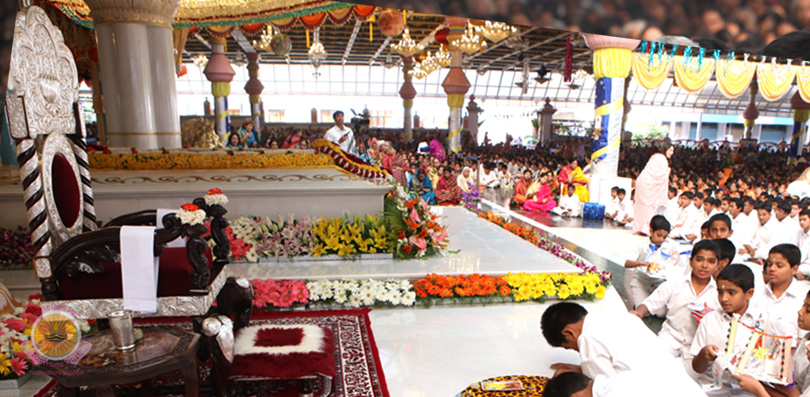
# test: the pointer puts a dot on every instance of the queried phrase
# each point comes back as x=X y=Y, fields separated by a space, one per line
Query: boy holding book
x=782 y=295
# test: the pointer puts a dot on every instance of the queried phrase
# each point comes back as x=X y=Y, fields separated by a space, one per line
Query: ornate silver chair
x=75 y=261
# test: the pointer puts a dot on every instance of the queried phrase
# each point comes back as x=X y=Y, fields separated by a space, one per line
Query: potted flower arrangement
x=417 y=230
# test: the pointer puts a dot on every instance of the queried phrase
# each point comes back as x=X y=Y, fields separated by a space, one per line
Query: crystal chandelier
x=429 y=65
x=406 y=46
x=200 y=60
x=317 y=54
x=418 y=73
x=442 y=57
x=469 y=42
x=495 y=31
x=265 y=39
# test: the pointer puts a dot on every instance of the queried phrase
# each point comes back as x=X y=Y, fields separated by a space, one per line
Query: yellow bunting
x=307 y=30
x=650 y=77
x=613 y=145
x=733 y=78
x=803 y=82
x=455 y=101
x=611 y=62
x=774 y=80
x=801 y=115
x=691 y=79
x=221 y=89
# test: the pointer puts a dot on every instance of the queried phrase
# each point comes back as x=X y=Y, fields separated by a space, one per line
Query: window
x=381 y=118
x=274 y=116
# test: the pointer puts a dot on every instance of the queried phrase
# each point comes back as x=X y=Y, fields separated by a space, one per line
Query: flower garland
x=529 y=234
x=357 y=293
x=348 y=161
x=344 y=238
x=281 y=294
x=206 y=161
x=191 y=214
x=215 y=197
x=562 y=285
x=417 y=230
x=462 y=286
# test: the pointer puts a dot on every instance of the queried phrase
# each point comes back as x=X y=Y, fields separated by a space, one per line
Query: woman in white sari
x=651 y=189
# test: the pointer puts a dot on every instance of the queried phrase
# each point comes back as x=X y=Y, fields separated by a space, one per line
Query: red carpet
x=358 y=367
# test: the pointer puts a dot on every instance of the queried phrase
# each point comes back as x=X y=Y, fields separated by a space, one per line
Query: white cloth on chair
x=139 y=268
x=179 y=242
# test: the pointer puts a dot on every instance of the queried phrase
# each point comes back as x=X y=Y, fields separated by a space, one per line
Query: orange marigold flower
x=505 y=291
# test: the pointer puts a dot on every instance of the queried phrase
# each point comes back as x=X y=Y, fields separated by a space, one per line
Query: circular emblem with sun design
x=56 y=334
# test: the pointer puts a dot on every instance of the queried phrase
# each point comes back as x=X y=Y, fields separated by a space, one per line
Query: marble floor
x=437 y=352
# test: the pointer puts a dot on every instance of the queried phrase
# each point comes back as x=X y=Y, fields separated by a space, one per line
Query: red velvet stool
x=282 y=352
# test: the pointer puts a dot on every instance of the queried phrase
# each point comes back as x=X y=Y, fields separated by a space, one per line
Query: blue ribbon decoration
x=660 y=52
x=700 y=60
x=643 y=49
x=687 y=56
x=651 y=54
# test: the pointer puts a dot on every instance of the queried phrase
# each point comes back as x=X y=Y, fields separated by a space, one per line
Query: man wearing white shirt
x=802 y=238
x=673 y=209
x=767 y=226
x=489 y=177
x=569 y=204
x=743 y=232
x=643 y=383
x=341 y=135
x=687 y=221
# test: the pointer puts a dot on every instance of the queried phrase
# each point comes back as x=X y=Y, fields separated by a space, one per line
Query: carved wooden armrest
x=222 y=247
x=140 y=218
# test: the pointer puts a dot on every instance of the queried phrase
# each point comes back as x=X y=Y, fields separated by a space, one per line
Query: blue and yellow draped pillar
x=220 y=73
x=611 y=66
x=801 y=113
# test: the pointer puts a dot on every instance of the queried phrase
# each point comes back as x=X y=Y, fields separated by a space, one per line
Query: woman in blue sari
x=421 y=186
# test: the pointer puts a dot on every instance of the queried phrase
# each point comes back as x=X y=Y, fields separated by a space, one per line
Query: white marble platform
x=251 y=192
x=484 y=248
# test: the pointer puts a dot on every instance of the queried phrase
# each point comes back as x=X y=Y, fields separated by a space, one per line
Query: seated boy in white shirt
x=626 y=384
x=677 y=299
x=607 y=343
x=625 y=215
x=569 y=204
x=643 y=283
x=612 y=208
x=782 y=296
x=735 y=288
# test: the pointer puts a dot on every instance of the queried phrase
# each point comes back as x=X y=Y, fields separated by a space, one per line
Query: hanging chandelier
x=495 y=31
x=265 y=39
x=317 y=53
x=469 y=42
x=200 y=60
x=406 y=46
x=429 y=65
x=418 y=73
x=442 y=57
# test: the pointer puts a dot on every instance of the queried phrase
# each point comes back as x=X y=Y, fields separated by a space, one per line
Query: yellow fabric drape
x=650 y=77
x=689 y=78
x=221 y=88
x=801 y=115
x=803 y=81
x=734 y=77
x=774 y=80
x=255 y=98
x=408 y=103
x=455 y=101
x=612 y=62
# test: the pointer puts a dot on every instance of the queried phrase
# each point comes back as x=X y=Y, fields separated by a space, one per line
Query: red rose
x=214 y=191
x=190 y=207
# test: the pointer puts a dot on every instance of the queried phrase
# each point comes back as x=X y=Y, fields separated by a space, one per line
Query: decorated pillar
x=751 y=113
x=473 y=110
x=407 y=93
x=611 y=66
x=455 y=86
x=136 y=56
x=220 y=73
x=254 y=88
x=546 y=123
x=801 y=113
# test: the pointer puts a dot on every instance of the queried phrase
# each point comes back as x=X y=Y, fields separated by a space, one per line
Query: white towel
x=179 y=242
x=139 y=268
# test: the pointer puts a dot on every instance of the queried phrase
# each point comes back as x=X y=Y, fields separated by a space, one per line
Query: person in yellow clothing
x=571 y=174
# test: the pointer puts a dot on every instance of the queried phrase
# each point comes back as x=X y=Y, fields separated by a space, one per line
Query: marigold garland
x=348 y=162
x=206 y=161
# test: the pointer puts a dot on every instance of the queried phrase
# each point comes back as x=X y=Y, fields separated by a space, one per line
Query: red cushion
x=283 y=352
x=65 y=190
x=172 y=278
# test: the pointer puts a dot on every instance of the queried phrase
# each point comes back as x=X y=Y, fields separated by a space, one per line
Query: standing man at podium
x=341 y=135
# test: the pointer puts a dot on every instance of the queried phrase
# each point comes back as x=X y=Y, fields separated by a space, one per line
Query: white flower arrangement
x=357 y=293
x=190 y=214
x=215 y=197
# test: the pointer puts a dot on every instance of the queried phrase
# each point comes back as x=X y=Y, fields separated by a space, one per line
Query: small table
x=532 y=387
x=162 y=349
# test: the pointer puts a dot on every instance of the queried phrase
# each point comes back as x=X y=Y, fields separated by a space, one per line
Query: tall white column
x=136 y=57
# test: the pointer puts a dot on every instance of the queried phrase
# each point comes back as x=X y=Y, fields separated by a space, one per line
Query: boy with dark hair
x=743 y=229
x=612 y=207
x=720 y=226
x=727 y=254
x=643 y=283
x=607 y=343
x=766 y=227
x=782 y=296
x=802 y=237
x=677 y=299
x=627 y=384
x=688 y=219
x=735 y=288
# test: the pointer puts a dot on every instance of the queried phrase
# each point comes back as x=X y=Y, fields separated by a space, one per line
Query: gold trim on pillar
x=408 y=103
x=143 y=133
x=151 y=12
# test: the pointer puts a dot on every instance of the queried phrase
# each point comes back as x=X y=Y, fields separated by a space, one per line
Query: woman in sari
x=571 y=174
x=652 y=186
x=422 y=187
x=394 y=163
x=447 y=190
x=542 y=202
x=466 y=182
x=293 y=139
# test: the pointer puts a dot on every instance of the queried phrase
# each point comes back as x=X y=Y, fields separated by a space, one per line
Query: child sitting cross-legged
x=735 y=288
x=644 y=283
x=677 y=299
x=627 y=384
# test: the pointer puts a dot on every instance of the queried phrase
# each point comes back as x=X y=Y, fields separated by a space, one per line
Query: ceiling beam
x=202 y=40
x=557 y=37
x=353 y=37
x=500 y=43
x=431 y=37
x=380 y=50
x=243 y=42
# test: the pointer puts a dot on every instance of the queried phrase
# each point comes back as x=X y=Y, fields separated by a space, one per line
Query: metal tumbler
x=121 y=327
